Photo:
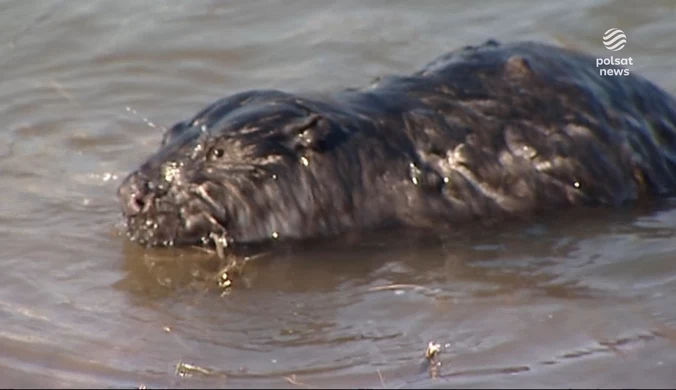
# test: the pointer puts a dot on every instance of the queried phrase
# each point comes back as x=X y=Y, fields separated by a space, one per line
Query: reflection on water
x=579 y=300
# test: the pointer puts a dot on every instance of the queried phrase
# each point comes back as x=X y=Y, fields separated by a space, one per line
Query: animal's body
x=482 y=133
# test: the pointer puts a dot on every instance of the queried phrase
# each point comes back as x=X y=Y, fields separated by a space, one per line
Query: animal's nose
x=135 y=195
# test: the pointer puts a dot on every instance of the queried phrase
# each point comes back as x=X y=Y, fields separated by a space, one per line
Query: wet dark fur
x=481 y=134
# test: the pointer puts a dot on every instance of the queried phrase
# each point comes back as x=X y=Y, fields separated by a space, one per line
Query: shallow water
x=585 y=301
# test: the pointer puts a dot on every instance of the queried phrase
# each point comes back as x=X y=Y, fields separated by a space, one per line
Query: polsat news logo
x=614 y=40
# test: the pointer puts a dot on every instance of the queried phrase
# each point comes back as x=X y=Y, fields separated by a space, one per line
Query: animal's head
x=244 y=169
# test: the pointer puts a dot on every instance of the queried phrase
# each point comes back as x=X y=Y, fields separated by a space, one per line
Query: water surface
x=85 y=88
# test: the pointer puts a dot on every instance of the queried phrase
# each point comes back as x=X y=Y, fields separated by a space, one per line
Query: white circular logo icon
x=614 y=39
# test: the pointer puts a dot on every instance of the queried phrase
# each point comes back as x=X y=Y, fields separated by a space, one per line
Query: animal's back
x=526 y=127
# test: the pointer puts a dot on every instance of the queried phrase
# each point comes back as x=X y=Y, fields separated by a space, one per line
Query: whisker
x=220 y=242
x=204 y=195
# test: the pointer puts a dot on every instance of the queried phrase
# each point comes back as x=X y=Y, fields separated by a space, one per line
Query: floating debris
x=235 y=266
x=401 y=287
x=234 y=263
x=432 y=355
x=186 y=369
x=224 y=281
x=380 y=375
x=432 y=350
x=292 y=380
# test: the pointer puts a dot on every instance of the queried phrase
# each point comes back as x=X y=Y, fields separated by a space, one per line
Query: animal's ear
x=310 y=132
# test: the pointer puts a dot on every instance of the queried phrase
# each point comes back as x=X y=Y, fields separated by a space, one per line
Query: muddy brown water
x=583 y=301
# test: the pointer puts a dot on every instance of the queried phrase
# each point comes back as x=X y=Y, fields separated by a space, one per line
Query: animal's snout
x=136 y=194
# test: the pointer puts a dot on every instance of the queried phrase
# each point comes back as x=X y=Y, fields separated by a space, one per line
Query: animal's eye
x=217 y=153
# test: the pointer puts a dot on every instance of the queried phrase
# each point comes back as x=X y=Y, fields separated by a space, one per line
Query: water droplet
x=204 y=128
x=577 y=184
x=171 y=171
x=275 y=235
x=529 y=152
x=415 y=173
x=304 y=161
